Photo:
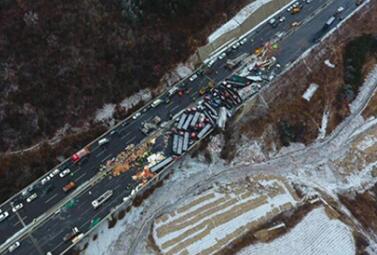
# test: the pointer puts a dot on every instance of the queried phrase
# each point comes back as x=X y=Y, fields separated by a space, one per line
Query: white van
x=156 y=103
x=14 y=246
x=172 y=91
x=103 y=141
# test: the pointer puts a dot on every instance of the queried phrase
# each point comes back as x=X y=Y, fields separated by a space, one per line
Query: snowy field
x=210 y=221
x=316 y=234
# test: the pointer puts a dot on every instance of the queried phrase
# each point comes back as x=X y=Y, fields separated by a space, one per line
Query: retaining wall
x=251 y=22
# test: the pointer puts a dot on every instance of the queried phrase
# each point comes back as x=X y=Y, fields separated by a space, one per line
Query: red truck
x=69 y=186
x=80 y=154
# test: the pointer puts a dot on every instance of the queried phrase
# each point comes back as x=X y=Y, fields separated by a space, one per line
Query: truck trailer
x=80 y=154
x=103 y=198
x=161 y=164
x=69 y=186
x=204 y=131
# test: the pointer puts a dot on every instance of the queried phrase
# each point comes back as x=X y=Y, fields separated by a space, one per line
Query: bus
x=103 y=198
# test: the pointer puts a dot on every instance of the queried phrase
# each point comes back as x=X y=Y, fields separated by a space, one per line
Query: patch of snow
x=249 y=151
x=183 y=71
x=368 y=88
x=216 y=144
x=316 y=234
x=360 y=180
x=290 y=148
x=141 y=96
x=106 y=113
x=367 y=142
x=322 y=129
x=238 y=19
x=363 y=126
x=180 y=72
x=247 y=91
x=322 y=177
x=103 y=244
x=329 y=64
x=310 y=91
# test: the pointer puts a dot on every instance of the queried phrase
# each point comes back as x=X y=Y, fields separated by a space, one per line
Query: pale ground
x=183 y=70
x=238 y=19
x=315 y=167
x=105 y=114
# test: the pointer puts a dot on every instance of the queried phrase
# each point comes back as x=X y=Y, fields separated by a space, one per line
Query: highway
x=48 y=235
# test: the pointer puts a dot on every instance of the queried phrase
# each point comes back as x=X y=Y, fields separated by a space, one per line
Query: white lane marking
x=132 y=139
x=19 y=222
x=126 y=136
x=100 y=153
x=48 y=200
x=78 y=178
x=106 y=158
x=175 y=107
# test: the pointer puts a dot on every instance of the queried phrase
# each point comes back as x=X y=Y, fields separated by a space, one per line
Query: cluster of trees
x=138 y=10
x=62 y=60
x=289 y=132
x=356 y=54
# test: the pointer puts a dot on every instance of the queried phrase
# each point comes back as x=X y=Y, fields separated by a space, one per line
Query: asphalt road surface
x=78 y=212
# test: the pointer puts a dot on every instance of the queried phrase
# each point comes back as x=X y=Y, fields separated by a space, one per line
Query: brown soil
x=361 y=243
x=151 y=242
x=363 y=207
x=231 y=136
x=121 y=214
x=292 y=118
x=73 y=252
